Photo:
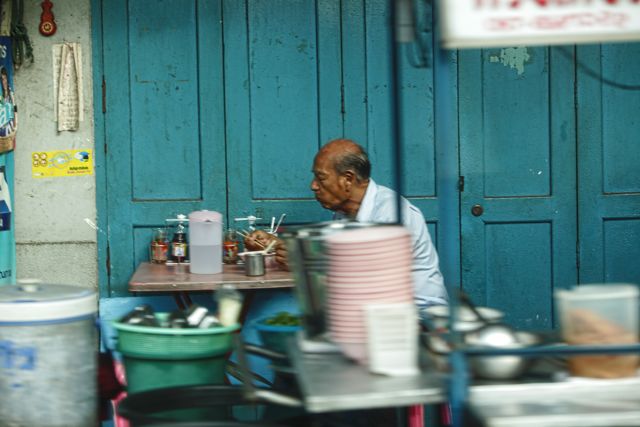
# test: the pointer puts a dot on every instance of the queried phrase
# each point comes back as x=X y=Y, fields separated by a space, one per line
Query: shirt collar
x=368 y=202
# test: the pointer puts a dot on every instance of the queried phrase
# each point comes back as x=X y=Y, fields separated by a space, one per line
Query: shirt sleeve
x=427 y=278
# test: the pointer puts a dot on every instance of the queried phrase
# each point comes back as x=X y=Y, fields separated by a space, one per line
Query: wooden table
x=150 y=277
x=177 y=279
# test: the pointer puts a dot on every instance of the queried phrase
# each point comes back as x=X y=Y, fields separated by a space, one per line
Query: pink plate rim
x=368 y=234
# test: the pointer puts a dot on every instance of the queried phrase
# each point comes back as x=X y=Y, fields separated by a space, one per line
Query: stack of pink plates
x=366 y=266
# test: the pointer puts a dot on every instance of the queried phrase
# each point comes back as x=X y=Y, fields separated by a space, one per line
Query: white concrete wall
x=54 y=242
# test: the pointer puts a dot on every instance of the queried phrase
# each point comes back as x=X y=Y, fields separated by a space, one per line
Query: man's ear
x=349 y=179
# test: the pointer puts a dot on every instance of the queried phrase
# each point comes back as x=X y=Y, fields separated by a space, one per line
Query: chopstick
x=251 y=252
x=269 y=246
x=264 y=251
x=245 y=235
x=279 y=221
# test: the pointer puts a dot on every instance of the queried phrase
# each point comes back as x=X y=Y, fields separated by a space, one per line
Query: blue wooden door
x=609 y=155
x=517 y=156
x=163 y=121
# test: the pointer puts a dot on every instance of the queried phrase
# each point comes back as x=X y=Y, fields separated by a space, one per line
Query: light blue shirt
x=379 y=205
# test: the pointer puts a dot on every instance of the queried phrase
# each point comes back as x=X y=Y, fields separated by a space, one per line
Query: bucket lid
x=34 y=301
x=599 y=291
x=205 y=216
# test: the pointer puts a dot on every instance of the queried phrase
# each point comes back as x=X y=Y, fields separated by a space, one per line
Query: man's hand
x=282 y=257
x=258 y=240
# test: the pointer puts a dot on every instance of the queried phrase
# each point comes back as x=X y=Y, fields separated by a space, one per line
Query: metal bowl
x=500 y=367
x=437 y=317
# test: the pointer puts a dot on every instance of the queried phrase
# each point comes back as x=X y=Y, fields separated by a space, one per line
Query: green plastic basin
x=164 y=357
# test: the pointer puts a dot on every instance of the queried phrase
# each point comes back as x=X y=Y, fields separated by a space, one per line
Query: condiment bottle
x=230 y=247
x=159 y=246
x=179 y=244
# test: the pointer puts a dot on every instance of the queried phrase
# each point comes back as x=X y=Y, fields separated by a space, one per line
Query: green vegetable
x=283 y=318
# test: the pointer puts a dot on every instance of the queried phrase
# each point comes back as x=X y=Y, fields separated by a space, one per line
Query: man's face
x=328 y=186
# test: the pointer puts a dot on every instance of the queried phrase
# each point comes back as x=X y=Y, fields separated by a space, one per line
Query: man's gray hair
x=356 y=161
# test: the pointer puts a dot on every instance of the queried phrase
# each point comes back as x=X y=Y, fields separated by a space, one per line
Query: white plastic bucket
x=48 y=355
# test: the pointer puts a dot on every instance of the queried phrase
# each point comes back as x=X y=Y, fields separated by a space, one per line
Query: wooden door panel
x=517 y=154
x=522 y=269
x=620 y=121
x=609 y=154
x=621 y=250
x=515 y=127
x=164 y=131
x=283 y=94
x=164 y=108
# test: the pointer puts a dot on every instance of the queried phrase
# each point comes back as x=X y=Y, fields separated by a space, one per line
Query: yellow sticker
x=47 y=164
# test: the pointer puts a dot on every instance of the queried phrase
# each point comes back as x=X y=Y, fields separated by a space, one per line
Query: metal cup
x=254 y=264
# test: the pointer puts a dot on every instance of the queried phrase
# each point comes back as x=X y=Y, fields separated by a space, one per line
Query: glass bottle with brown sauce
x=159 y=246
x=179 y=245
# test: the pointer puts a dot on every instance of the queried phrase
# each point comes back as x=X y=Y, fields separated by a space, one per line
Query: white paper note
x=67 y=85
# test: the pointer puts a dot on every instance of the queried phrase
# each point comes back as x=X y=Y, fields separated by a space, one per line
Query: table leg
x=178 y=300
x=246 y=304
x=187 y=299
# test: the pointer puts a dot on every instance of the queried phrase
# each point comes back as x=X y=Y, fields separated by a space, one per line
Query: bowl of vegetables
x=274 y=330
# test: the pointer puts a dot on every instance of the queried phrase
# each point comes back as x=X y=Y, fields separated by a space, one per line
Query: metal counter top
x=330 y=382
x=571 y=402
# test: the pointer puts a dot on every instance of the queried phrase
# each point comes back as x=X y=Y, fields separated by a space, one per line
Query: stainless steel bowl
x=437 y=317
x=499 y=367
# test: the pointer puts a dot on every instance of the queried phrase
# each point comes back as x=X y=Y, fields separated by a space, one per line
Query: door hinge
x=108 y=261
x=461 y=183
x=104 y=95
x=342 y=111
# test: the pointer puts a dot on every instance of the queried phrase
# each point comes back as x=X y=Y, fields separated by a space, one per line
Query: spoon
x=490 y=334
x=467 y=301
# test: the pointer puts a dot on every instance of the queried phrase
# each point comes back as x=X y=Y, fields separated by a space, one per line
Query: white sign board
x=497 y=23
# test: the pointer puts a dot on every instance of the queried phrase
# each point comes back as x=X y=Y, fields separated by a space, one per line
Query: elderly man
x=342 y=184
